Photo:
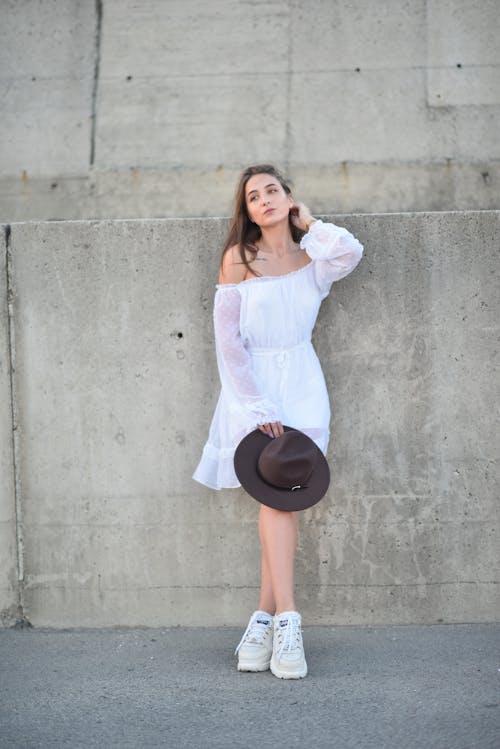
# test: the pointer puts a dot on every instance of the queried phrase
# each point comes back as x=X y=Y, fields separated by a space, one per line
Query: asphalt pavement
x=401 y=687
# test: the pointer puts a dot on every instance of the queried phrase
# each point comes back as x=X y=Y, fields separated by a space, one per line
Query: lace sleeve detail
x=336 y=251
x=233 y=359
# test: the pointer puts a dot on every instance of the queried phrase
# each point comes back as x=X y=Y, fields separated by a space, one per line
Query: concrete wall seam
x=98 y=36
x=14 y=423
x=9 y=578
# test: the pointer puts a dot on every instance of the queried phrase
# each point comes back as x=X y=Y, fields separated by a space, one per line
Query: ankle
x=280 y=610
x=271 y=610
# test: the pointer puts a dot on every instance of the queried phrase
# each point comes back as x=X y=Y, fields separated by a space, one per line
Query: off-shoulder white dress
x=268 y=368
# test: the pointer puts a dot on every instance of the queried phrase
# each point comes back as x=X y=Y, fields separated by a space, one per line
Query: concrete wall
x=114 y=108
x=114 y=386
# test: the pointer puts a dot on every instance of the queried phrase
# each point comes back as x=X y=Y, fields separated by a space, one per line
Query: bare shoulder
x=232 y=269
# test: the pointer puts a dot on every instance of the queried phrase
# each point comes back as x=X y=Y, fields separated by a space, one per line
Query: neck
x=277 y=240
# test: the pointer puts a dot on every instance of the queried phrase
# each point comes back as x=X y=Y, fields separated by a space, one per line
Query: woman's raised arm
x=335 y=249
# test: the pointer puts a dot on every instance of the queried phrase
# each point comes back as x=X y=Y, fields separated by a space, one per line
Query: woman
x=277 y=266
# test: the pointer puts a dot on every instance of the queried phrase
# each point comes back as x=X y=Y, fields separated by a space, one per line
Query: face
x=266 y=200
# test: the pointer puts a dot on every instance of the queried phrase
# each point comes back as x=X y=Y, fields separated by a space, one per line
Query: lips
x=269 y=210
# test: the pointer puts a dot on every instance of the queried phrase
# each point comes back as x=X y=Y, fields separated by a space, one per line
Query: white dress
x=268 y=368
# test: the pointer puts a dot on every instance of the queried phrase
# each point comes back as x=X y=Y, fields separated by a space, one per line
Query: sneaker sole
x=254 y=666
x=288 y=674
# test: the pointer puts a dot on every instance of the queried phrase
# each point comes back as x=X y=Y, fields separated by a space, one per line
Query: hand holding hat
x=287 y=473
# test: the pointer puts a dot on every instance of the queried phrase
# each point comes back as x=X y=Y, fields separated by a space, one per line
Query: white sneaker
x=256 y=645
x=288 y=660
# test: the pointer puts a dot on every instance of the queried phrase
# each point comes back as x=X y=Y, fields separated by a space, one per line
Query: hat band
x=277 y=486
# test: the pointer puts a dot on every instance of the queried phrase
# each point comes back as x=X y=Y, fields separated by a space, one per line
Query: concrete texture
x=115 y=384
x=367 y=688
x=125 y=109
x=47 y=69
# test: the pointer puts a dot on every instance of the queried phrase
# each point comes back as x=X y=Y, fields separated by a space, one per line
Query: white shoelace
x=289 y=634
x=256 y=630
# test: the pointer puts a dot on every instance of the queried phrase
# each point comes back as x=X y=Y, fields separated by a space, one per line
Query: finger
x=265 y=429
x=299 y=215
x=275 y=427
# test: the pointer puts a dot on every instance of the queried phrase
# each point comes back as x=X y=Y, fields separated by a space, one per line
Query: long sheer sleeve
x=233 y=359
x=336 y=251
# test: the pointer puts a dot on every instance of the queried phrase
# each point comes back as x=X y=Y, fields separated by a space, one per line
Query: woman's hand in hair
x=301 y=216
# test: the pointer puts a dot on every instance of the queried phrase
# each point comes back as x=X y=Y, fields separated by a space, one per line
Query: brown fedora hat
x=287 y=473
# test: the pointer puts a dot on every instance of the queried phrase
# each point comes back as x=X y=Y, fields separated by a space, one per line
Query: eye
x=254 y=197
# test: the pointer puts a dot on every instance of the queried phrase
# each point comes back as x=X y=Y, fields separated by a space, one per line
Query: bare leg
x=266 y=601
x=278 y=535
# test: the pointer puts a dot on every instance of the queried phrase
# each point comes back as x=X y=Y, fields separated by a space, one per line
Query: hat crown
x=288 y=461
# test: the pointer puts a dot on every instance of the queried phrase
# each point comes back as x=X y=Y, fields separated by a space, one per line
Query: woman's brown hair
x=243 y=232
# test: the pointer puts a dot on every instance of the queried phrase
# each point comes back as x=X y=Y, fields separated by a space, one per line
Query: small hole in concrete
x=129 y=78
x=179 y=335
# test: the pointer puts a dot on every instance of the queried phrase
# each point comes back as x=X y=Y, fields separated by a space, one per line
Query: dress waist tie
x=281 y=354
x=273 y=350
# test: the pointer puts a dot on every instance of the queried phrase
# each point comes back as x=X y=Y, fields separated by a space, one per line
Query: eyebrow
x=271 y=184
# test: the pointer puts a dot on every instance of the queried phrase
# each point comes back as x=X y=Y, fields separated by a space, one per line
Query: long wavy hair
x=243 y=232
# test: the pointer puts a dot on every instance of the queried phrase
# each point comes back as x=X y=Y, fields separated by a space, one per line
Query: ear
x=291 y=201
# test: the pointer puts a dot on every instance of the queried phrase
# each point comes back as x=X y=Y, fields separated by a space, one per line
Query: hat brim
x=245 y=465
